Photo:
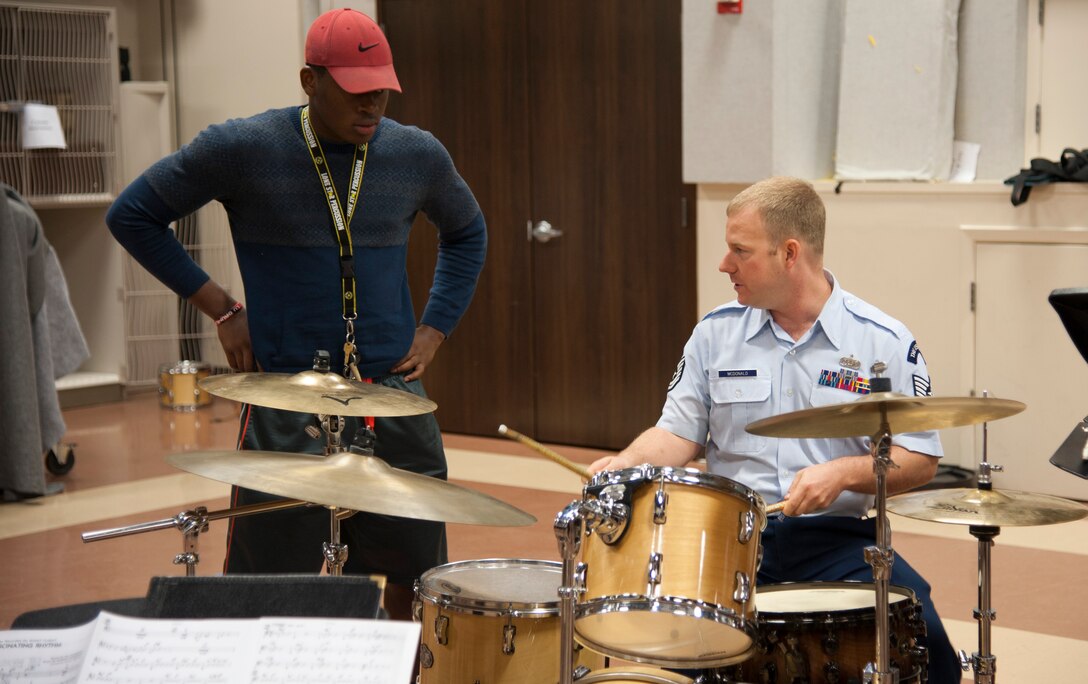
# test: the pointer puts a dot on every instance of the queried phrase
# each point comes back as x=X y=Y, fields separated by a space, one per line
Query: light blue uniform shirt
x=740 y=366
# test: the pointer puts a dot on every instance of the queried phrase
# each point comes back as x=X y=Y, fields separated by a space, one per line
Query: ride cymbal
x=314 y=392
x=351 y=481
x=904 y=414
x=991 y=507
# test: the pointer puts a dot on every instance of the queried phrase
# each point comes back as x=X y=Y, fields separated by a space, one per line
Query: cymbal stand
x=335 y=552
x=881 y=557
x=191 y=523
x=983 y=661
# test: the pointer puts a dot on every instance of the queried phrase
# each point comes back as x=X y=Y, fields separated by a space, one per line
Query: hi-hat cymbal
x=351 y=481
x=989 y=507
x=904 y=414
x=314 y=392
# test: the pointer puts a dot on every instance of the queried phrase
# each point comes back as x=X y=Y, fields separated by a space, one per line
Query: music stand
x=1071 y=303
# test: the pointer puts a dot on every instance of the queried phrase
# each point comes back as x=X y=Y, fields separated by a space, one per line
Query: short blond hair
x=789 y=207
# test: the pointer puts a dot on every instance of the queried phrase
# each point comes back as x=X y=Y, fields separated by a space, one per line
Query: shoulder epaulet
x=863 y=309
x=730 y=307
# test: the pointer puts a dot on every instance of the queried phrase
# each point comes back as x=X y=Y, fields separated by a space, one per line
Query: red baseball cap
x=353 y=50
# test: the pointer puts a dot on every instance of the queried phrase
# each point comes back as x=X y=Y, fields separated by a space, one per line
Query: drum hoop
x=185 y=367
x=665 y=604
x=490 y=606
x=684 y=476
x=828 y=616
x=626 y=676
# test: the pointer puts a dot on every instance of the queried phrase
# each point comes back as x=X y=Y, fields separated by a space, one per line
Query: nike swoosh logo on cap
x=364 y=49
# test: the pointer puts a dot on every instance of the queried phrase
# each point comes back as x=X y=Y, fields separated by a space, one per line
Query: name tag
x=749 y=373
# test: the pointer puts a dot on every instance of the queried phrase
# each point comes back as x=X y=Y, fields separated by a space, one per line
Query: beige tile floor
x=120 y=478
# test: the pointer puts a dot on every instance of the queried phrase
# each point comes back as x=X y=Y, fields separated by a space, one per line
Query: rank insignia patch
x=677 y=375
x=845 y=380
x=922 y=387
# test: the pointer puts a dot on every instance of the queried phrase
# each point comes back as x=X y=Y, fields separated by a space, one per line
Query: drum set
x=658 y=564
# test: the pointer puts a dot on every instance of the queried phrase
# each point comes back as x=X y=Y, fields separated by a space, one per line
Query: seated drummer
x=792 y=340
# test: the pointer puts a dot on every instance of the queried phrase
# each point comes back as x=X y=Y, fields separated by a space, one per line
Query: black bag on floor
x=1072 y=166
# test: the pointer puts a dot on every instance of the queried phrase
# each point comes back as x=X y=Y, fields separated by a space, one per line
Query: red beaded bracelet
x=230 y=312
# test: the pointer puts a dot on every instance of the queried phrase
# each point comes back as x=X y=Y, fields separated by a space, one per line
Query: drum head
x=496 y=585
x=655 y=634
x=820 y=601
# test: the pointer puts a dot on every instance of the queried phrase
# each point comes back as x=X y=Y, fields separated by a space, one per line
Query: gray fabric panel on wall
x=760 y=90
x=992 y=82
x=727 y=71
x=898 y=90
x=807 y=54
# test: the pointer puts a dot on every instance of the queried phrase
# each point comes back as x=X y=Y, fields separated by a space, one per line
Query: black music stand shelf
x=1071 y=303
x=1070 y=455
x=229 y=596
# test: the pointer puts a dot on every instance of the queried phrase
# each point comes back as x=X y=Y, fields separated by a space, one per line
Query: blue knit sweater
x=260 y=169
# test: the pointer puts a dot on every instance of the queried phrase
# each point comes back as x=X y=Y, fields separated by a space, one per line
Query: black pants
x=291 y=541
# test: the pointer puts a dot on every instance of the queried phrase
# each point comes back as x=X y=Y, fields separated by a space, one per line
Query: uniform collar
x=830 y=320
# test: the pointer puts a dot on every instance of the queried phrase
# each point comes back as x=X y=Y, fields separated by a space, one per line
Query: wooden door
x=566 y=112
x=1024 y=353
x=463 y=77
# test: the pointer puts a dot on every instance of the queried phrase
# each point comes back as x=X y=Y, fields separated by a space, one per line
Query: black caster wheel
x=56 y=465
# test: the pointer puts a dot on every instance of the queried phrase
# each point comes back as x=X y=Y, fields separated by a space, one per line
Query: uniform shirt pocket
x=736 y=402
x=829 y=396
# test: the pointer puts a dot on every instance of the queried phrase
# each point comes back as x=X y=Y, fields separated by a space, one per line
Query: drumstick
x=776 y=507
x=540 y=448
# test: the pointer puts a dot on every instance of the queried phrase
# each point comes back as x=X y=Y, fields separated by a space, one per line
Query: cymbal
x=993 y=507
x=351 y=481
x=314 y=392
x=904 y=413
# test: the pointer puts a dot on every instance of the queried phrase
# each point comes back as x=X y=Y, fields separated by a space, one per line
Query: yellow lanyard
x=341 y=220
x=341 y=223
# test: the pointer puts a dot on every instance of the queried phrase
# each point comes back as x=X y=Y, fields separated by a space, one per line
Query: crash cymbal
x=314 y=392
x=905 y=414
x=351 y=481
x=993 y=507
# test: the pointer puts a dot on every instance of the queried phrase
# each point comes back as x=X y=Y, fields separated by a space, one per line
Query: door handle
x=542 y=231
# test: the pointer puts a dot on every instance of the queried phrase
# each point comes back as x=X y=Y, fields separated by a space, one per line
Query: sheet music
x=43 y=656
x=116 y=649
x=126 y=650
x=331 y=651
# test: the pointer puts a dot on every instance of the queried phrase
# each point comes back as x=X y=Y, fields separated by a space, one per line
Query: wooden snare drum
x=178 y=387
x=674 y=586
x=825 y=632
x=492 y=621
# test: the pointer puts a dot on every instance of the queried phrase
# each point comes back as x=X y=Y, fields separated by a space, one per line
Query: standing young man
x=321 y=199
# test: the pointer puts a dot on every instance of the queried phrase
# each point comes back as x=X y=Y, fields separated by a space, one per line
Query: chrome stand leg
x=336 y=554
x=881 y=557
x=568 y=533
x=191 y=524
x=984 y=662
